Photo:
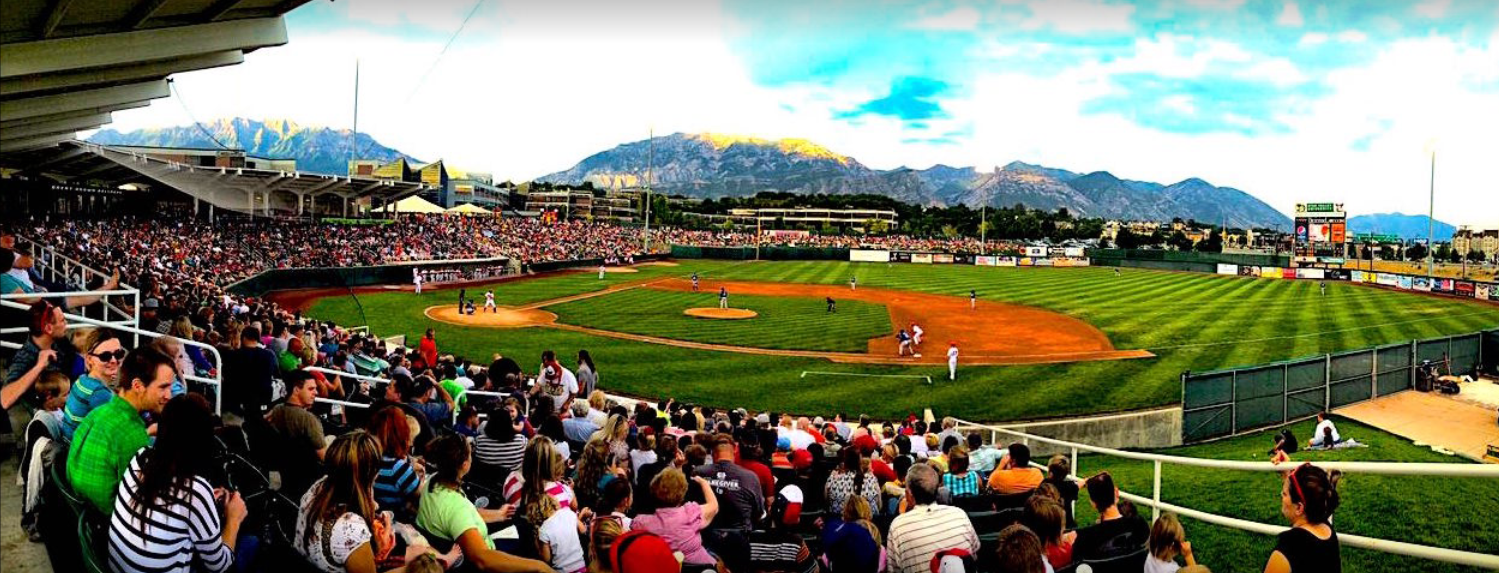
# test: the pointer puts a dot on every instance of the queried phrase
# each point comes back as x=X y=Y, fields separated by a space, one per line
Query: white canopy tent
x=470 y=209
x=412 y=204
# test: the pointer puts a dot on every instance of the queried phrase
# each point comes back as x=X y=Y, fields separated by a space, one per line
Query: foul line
x=927 y=378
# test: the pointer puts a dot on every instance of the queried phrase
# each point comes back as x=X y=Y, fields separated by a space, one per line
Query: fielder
x=973 y=299
x=916 y=333
x=832 y=305
x=694 y=281
x=905 y=343
x=1323 y=284
x=601 y=272
x=416 y=279
x=723 y=297
x=461 y=294
x=489 y=301
x=853 y=283
x=1116 y=271
x=952 y=361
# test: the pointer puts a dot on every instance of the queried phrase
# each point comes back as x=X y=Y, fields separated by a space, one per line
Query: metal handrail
x=48 y=258
x=1375 y=468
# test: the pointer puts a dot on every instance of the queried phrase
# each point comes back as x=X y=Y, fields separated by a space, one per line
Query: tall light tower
x=650 y=164
x=1431 y=207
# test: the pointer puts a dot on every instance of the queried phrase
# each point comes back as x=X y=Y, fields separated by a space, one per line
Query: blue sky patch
x=910 y=99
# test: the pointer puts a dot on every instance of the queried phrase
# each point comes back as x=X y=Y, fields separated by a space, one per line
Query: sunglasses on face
x=111 y=355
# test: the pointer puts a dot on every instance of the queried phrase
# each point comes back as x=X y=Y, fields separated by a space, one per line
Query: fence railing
x=1468 y=558
x=1227 y=402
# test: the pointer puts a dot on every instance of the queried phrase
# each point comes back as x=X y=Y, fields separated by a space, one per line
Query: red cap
x=801 y=459
x=639 y=551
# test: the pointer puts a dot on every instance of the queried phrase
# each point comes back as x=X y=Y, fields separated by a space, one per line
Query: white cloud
x=1352 y=37
x=1278 y=71
x=1314 y=39
x=1433 y=9
x=1218 y=4
x=1290 y=15
x=961 y=18
x=1076 y=17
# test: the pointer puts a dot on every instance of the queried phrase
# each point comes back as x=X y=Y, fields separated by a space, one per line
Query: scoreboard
x=1321 y=234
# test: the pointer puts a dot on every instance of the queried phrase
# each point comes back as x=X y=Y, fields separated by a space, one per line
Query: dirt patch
x=721 y=313
x=500 y=318
x=621 y=270
x=657 y=264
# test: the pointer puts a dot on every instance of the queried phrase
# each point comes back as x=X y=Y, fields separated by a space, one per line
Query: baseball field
x=1037 y=342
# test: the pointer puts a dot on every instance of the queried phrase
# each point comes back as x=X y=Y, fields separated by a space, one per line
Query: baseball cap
x=783 y=443
x=763 y=418
x=151 y=303
x=952 y=561
x=788 y=505
x=818 y=421
x=801 y=459
x=639 y=551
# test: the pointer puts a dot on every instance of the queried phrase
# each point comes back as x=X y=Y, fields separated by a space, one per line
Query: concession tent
x=470 y=209
x=412 y=204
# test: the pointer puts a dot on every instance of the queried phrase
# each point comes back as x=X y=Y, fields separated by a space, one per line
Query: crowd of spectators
x=720 y=238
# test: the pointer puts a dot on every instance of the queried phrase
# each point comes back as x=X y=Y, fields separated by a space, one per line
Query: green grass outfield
x=1454 y=513
x=1190 y=321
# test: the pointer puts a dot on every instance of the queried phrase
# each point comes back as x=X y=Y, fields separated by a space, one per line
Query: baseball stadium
x=217 y=362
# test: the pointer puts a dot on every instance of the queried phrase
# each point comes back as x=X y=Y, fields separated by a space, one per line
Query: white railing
x=57 y=267
x=1374 y=468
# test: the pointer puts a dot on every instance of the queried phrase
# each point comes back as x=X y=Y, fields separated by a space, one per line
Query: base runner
x=952 y=361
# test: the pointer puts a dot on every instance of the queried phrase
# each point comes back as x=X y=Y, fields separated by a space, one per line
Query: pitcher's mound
x=502 y=318
x=721 y=313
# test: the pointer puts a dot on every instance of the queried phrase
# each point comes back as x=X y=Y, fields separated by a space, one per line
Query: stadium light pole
x=1431 y=207
x=650 y=163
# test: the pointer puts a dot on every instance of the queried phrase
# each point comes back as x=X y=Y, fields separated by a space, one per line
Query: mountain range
x=710 y=165
x=316 y=149
x=1405 y=226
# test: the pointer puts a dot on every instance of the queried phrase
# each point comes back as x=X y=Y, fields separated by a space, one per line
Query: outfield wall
x=1229 y=402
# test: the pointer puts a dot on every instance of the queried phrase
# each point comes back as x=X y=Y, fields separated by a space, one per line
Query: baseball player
x=1116 y=271
x=952 y=361
x=916 y=333
x=905 y=342
x=973 y=299
x=416 y=279
x=1323 y=285
x=694 y=281
x=853 y=283
x=489 y=301
x=601 y=272
x=723 y=297
x=832 y=305
x=461 y=294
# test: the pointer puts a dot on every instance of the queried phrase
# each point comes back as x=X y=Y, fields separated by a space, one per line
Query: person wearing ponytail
x=1308 y=499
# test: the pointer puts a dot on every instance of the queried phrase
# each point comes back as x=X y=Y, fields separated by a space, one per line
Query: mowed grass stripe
x=786 y=323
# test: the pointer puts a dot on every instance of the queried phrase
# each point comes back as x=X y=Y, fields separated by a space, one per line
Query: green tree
x=949 y=231
x=1212 y=244
x=1416 y=253
x=1127 y=239
x=1180 y=242
x=1475 y=256
x=1387 y=253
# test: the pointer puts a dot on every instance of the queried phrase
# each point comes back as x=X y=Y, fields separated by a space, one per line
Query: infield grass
x=1454 y=513
x=1190 y=321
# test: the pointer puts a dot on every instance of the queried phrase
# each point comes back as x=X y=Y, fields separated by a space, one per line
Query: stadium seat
x=92 y=542
x=59 y=521
x=1129 y=562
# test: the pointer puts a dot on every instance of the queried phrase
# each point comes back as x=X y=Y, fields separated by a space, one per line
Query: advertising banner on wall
x=942 y=258
x=1270 y=272
x=1006 y=262
x=1356 y=276
x=1315 y=274
x=869 y=255
x=985 y=260
x=1463 y=288
x=1034 y=252
x=1025 y=261
x=1405 y=282
x=1249 y=271
x=1441 y=285
x=1387 y=279
x=900 y=257
x=1042 y=262
x=1228 y=269
x=1073 y=252
x=962 y=259
x=1288 y=273
x=1421 y=284
x=1481 y=291
x=921 y=258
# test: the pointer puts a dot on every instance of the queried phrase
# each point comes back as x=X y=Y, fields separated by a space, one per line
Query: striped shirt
x=86 y=395
x=920 y=533
x=966 y=485
x=503 y=457
x=396 y=483
x=185 y=536
x=780 y=551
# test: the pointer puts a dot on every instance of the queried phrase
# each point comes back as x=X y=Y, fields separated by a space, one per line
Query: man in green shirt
x=111 y=434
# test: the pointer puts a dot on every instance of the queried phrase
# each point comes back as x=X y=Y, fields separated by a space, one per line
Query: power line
x=196 y=123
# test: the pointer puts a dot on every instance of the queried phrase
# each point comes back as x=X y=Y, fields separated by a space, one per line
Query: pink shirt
x=680 y=527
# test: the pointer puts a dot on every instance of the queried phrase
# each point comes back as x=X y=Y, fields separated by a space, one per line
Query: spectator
x=1114 y=534
x=165 y=517
x=1015 y=475
x=417 y=393
x=428 y=348
x=949 y=430
x=588 y=375
x=596 y=403
x=680 y=524
x=601 y=536
x=595 y=463
x=852 y=478
x=498 y=449
x=102 y=356
x=615 y=432
x=190 y=359
x=851 y=542
x=447 y=514
x=917 y=535
x=578 y=428
x=468 y=423
x=555 y=382
x=1058 y=468
x=749 y=459
x=248 y=371
x=883 y=466
x=645 y=451
x=46 y=348
x=738 y=488
x=668 y=455
x=557 y=530
x=551 y=428
x=959 y=481
x=981 y=458
x=11 y=282
x=293 y=419
x=1045 y=517
x=112 y=434
x=1167 y=540
x=1308 y=499
x=1019 y=551
x=780 y=548
x=542 y=471
x=1285 y=445
x=638 y=550
x=617 y=499
x=338 y=518
x=398 y=480
x=1326 y=434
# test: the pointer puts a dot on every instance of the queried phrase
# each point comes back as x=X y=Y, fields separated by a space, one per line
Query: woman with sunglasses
x=102 y=356
x=1308 y=499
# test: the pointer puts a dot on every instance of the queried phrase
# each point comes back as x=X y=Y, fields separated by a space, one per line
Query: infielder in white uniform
x=489 y=301
x=416 y=278
x=952 y=361
x=916 y=333
x=853 y=283
x=601 y=272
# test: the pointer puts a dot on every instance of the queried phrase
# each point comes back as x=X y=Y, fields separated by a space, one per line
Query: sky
x=1289 y=100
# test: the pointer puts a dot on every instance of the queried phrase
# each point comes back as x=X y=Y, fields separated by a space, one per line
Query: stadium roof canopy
x=68 y=64
x=236 y=188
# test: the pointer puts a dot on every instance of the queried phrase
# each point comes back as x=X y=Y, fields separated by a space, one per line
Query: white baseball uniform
x=601 y=272
x=489 y=300
x=952 y=362
x=416 y=278
x=916 y=333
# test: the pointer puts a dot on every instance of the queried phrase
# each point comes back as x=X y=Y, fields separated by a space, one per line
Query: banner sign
x=942 y=258
x=1482 y=291
x=1043 y=262
x=1356 y=276
x=1035 y=252
x=1441 y=285
x=1025 y=261
x=1338 y=274
x=869 y=256
x=1224 y=269
x=985 y=260
x=790 y=233
x=1387 y=279
x=1421 y=284
x=1464 y=288
x=900 y=257
x=962 y=259
x=921 y=258
x=1249 y=271
x=1288 y=273
x=1270 y=272
x=1006 y=262
x=1073 y=252
x=1314 y=274
x=1405 y=282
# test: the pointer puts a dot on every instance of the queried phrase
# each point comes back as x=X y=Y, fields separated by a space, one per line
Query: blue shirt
x=395 y=483
x=578 y=429
x=87 y=393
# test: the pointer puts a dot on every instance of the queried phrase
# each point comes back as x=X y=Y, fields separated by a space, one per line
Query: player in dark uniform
x=973 y=299
x=694 y=281
x=832 y=305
